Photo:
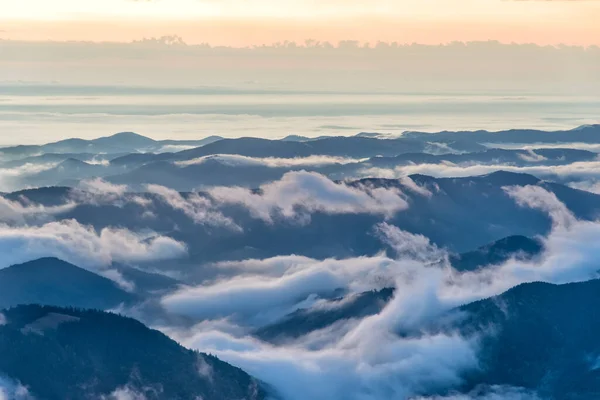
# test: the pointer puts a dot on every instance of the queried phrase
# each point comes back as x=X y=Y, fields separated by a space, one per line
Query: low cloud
x=576 y=171
x=12 y=179
x=234 y=160
x=494 y=392
x=199 y=209
x=539 y=198
x=125 y=393
x=10 y=390
x=298 y=194
x=410 y=246
x=411 y=185
x=83 y=246
x=593 y=147
x=532 y=156
x=25 y=211
x=592 y=185
x=277 y=286
x=367 y=359
x=379 y=367
x=98 y=191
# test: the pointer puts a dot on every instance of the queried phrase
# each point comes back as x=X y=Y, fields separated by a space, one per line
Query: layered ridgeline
x=66 y=353
x=184 y=171
x=460 y=214
x=133 y=159
x=279 y=253
x=124 y=142
x=54 y=282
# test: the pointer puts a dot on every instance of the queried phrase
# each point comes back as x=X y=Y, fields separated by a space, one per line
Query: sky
x=255 y=22
x=84 y=67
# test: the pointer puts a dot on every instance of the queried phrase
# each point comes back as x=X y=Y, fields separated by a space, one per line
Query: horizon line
x=309 y=43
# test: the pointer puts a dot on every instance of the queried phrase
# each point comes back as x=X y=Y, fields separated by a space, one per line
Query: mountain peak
x=73 y=162
x=52 y=281
x=586 y=127
x=128 y=135
x=125 y=139
x=511 y=178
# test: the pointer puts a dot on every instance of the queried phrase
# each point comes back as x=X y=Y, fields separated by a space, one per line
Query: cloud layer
x=83 y=246
x=298 y=194
x=366 y=359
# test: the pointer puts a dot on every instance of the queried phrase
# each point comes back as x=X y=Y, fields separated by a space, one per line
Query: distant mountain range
x=224 y=170
x=129 y=158
x=119 y=143
x=233 y=170
x=66 y=353
x=299 y=146
x=581 y=134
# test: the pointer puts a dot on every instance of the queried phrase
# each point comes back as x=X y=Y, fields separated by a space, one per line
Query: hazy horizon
x=164 y=88
x=239 y=23
x=46 y=118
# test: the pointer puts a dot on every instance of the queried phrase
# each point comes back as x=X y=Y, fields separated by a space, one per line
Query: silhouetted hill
x=497 y=253
x=358 y=147
x=298 y=138
x=49 y=196
x=126 y=140
x=539 y=336
x=582 y=134
x=196 y=143
x=65 y=353
x=210 y=172
x=51 y=281
x=490 y=157
x=461 y=214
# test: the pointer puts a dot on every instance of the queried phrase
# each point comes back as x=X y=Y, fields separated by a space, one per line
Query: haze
x=244 y=23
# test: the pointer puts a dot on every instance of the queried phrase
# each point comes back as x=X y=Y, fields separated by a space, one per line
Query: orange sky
x=245 y=22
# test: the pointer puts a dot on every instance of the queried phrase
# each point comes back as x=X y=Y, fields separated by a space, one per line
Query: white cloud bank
x=298 y=194
x=14 y=212
x=83 y=246
x=199 y=209
x=12 y=179
x=584 y=170
x=10 y=390
x=234 y=160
